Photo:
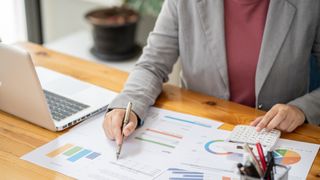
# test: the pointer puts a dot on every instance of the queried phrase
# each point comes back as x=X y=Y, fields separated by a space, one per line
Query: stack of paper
x=170 y=145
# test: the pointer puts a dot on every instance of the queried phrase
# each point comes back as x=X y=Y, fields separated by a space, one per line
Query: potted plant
x=114 y=28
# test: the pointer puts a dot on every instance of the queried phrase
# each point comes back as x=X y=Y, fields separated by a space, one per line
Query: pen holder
x=281 y=173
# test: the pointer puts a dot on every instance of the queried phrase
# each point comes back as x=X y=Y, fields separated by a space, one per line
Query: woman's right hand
x=113 y=121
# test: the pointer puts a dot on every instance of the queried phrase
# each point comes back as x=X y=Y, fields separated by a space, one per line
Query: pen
x=254 y=160
x=269 y=172
x=124 y=123
x=261 y=156
x=251 y=171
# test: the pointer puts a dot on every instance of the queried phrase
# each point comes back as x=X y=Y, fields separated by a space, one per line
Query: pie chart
x=216 y=147
x=286 y=157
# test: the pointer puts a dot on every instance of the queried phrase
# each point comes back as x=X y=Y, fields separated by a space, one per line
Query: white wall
x=12 y=21
x=63 y=17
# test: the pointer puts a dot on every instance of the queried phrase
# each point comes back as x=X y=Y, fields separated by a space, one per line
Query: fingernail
x=125 y=132
x=118 y=142
x=258 y=128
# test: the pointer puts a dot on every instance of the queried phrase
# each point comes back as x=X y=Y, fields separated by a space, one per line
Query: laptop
x=45 y=97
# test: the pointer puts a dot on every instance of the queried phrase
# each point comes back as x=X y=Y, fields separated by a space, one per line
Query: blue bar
x=174 y=169
x=185 y=178
x=93 y=155
x=191 y=122
x=79 y=155
x=196 y=176
x=186 y=172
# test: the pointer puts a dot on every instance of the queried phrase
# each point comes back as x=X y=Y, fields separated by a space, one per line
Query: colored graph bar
x=72 y=151
x=190 y=122
x=226 y=178
x=93 y=155
x=164 y=133
x=79 y=155
x=181 y=174
x=59 y=150
x=185 y=178
x=186 y=172
x=193 y=176
x=154 y=142
x=175 y=169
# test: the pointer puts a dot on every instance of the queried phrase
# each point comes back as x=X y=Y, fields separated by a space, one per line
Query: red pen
x=261 y=156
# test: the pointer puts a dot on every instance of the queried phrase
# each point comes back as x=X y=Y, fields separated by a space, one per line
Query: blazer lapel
x=280 y=16
x=212 y=19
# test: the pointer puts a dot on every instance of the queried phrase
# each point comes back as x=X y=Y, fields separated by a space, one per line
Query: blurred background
x=60 y=25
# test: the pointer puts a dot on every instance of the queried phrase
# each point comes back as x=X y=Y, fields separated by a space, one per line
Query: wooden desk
x=18 y=137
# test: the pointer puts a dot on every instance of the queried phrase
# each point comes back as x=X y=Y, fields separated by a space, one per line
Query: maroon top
x=244 y=26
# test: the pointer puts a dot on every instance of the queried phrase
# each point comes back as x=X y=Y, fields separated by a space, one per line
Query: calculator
x=248 y=134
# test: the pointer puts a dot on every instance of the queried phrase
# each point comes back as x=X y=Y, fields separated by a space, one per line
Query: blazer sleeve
x=310 y=103
x=144 y=83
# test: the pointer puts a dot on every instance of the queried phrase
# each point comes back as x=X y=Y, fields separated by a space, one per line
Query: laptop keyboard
x=62 y=107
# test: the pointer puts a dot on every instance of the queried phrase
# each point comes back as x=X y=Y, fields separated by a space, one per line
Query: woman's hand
x=113 y=121
x=281 y=116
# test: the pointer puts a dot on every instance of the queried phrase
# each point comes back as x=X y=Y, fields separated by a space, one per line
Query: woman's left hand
x=281 y=116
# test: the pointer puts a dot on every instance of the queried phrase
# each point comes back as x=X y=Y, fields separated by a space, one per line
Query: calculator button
x=248 y=134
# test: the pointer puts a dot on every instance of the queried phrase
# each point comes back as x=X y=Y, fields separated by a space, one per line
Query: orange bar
x=164 y=133
x=59 y=150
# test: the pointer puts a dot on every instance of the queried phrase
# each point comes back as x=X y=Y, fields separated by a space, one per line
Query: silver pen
x=124 y=123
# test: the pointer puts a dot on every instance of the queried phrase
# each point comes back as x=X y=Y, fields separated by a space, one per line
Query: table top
x=18 y=137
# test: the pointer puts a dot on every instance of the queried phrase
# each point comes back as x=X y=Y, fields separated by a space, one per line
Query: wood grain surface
x=18 y=137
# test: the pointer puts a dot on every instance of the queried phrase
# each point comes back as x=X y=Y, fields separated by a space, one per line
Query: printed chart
x=81 y=156
x=85 y=152
x=164 y=130
x=215 y=147
x=181 y=172
x=196 y=123
x=298 y=155
x=161 y=138
x=286 y=156
x=73 y=153
x=207 y=152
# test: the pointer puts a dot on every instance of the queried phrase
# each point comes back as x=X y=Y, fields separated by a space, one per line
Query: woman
x=253 y=52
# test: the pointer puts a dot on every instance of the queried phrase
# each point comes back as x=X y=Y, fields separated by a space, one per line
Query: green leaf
x=150 y=7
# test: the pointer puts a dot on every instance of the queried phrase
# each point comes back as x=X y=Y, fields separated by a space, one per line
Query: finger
x=266 y=119
x=110 y=132
x=116 y=127
x=292 y=127
x=130 y=127
x=280 y=117
x=107 y=127
x=283 y=126
x=256 y=121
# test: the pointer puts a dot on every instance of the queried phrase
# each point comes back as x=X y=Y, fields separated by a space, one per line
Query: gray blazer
x=194 y=31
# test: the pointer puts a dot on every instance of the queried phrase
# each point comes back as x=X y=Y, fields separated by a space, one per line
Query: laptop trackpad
x=66 y=86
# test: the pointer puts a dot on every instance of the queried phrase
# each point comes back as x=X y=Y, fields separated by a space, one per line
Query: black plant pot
x=114 y=37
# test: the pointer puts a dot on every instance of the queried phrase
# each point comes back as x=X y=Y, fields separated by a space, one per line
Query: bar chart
x=160 y=138
x=73 y=153
x=192 y=122
x=194 y=174
x=181 y=174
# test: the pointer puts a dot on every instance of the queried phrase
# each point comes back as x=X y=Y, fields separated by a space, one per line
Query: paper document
x=169 y=145
x=298 y=155
x=206 y=151
x=84 y=152
x=181 y=172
